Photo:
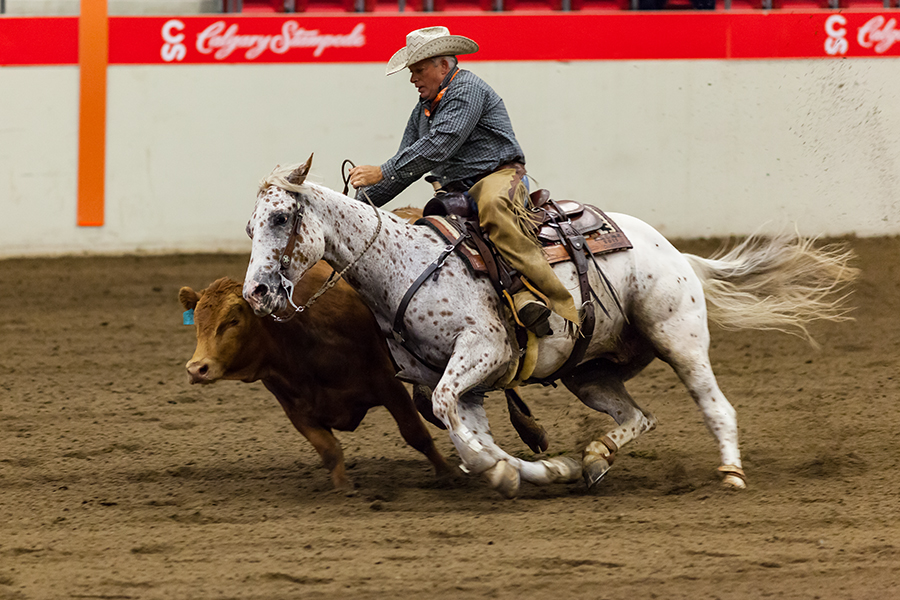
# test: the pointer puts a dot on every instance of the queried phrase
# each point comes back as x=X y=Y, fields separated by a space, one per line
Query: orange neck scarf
x=434 y=103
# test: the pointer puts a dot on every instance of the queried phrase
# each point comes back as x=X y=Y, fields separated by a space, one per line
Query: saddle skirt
x=448 y=214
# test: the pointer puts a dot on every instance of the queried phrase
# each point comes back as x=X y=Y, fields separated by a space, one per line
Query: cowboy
x=461 y=133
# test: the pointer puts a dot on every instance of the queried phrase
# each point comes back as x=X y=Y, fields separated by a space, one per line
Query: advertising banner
x=366 y=37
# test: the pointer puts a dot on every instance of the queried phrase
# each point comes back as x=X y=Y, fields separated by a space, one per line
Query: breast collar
x=434 y=103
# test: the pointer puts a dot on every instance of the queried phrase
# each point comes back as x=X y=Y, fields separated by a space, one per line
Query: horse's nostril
x=261 y=290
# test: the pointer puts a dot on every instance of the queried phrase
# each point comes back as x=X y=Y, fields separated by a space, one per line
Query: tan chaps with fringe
x=501 y=200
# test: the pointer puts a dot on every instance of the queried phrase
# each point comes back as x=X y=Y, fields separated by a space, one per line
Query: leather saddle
x=567 y=230
x=454 y=213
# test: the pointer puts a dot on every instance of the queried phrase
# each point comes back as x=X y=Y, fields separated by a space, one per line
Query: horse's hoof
x=594 y=470
x=504 y=478
x=734 y=478
x=565 y=468
x=734 y=482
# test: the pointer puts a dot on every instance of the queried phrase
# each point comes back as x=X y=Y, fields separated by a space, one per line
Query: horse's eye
x=279 y=220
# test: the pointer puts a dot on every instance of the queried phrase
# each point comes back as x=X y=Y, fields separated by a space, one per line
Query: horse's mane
x=278 y=178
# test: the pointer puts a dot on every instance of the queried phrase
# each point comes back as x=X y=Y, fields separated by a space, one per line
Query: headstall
x=284 y=261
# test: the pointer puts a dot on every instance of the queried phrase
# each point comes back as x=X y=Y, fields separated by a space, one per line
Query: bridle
x=284 y=261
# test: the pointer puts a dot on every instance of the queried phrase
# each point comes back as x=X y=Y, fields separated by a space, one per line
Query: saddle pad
x=609 y=237
x=449 y=228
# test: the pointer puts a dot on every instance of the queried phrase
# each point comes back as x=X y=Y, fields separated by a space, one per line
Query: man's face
x=427 y=76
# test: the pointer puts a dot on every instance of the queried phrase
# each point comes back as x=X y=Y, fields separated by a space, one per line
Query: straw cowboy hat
x=427 y=43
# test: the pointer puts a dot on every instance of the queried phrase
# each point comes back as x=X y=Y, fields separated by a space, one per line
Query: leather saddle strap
x=499 y=278
x=284 y=261
x=578 y=250
x=399 y=329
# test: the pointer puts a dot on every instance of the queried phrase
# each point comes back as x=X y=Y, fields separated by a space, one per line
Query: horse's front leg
x=507 y=472
x=476 y=361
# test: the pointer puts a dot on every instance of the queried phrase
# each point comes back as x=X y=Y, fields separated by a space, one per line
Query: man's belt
x=463 y=185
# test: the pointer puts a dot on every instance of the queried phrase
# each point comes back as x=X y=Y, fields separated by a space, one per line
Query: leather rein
x=284 y=261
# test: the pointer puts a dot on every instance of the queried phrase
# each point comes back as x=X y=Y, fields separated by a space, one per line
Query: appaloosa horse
x=456 y=322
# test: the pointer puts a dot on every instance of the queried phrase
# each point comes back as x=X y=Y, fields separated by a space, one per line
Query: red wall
x=355 y=37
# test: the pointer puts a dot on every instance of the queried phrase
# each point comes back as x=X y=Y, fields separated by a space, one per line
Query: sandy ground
x=120 y=480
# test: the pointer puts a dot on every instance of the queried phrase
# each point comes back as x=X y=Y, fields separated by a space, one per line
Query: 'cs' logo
x=835 y=27
x=172 y=48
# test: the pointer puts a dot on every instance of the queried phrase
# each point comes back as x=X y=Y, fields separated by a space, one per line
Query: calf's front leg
x=329 y=448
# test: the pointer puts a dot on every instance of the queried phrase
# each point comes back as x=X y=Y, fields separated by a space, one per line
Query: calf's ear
x=188 y=298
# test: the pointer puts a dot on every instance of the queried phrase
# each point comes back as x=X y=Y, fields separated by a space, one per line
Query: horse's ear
x=188 y=297
x=298 y=175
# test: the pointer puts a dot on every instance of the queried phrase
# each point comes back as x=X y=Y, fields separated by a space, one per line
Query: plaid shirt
x=468 y=135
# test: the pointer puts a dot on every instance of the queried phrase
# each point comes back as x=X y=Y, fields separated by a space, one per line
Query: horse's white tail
x=780 y=283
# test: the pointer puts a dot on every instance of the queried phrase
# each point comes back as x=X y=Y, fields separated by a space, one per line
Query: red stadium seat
x=456 y=5
x=327 y=6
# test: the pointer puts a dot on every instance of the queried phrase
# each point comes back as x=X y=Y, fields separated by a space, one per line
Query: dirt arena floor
x=120 y=480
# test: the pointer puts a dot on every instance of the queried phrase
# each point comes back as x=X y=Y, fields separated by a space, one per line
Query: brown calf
x=327 y=367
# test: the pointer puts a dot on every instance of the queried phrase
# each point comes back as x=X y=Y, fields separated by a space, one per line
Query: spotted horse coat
x=457 y=321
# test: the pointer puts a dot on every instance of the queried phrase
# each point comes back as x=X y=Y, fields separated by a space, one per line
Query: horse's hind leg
x=600 y=385
x=684 y=344
x=697 y=375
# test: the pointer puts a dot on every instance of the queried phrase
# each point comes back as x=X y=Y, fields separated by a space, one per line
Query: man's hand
x=364 y=175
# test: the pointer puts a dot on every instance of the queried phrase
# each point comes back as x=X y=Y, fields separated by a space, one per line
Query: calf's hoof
x=504 y=478
x=344 y=486
x=733 y=477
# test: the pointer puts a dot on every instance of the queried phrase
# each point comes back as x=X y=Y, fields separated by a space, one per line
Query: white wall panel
x=696 y=148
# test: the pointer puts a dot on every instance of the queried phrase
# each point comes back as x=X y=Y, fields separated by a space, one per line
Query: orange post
x=93 y=56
